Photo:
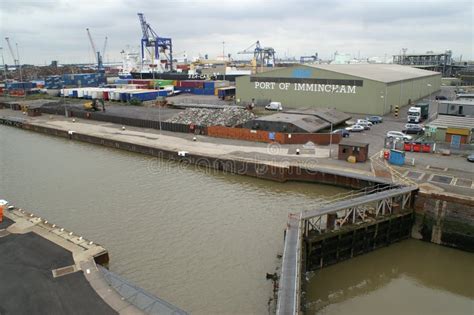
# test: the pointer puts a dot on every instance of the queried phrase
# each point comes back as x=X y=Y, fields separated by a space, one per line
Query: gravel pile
x=228 y=117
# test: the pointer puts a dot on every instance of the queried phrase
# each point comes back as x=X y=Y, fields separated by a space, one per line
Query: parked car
x=374 y=119
x=274 y=106
x=441 y=97
x=364 y=121
x=343 y=132
x=355 y=128
x=366 y=125
x=416 y=129
x=470 y=157
x=399 y=135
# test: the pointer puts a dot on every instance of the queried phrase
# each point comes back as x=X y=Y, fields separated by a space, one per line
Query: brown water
x=204 y=240
x=410 y=277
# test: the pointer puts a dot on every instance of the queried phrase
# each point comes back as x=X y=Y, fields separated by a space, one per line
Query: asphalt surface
x=130 y=111
x=27 y=285
x=376 y=135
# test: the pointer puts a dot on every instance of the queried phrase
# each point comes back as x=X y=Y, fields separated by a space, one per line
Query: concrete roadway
x=27 y=285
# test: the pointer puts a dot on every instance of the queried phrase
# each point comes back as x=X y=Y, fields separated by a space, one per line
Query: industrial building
x=354 y=88
x=292 y=123
x=455 y=130
x=440 y=62
x=459 y=107
x=299 y=121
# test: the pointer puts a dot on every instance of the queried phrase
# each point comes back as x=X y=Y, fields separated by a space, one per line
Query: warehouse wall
x=401 y=93
x=368 y=99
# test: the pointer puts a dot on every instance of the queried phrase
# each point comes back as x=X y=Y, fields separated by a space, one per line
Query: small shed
x=33 y=111
x=452 y=129
x=352 y=148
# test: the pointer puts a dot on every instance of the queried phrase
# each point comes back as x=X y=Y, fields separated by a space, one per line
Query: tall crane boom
x=15 y=60
x=105 y=47
x=92 y=45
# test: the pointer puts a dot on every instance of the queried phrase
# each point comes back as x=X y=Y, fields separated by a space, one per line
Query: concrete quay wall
x=254 y=168
x=446 y=219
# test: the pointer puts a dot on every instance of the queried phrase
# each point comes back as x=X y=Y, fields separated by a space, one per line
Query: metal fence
x=143 y=300
x=127 y=121
x=461 y=149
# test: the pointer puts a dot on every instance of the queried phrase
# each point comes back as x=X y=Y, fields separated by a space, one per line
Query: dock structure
x=344 y=226
x=64 y=271
x=289 y=283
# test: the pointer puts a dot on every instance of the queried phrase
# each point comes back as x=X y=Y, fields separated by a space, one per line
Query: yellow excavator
x=93 y=106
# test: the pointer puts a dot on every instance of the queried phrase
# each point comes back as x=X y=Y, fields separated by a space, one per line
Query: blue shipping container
x=209 y=85
x=397 y=157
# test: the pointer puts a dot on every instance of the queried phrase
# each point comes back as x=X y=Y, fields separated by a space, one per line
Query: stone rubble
x=229 y=117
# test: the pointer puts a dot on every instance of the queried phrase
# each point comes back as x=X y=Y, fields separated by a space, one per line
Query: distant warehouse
x=354 y=88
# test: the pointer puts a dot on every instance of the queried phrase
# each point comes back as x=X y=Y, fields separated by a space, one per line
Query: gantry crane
x=313 y=58
x=265 y=56
x=154 y=45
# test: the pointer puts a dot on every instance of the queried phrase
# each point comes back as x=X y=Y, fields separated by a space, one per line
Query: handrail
x=395 y=175
x=352 y=194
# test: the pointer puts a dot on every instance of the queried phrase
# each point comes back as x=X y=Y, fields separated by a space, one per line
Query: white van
x=274 y=106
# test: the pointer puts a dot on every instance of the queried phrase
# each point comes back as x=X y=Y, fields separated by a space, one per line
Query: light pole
x=159 y=116
x=19 y=63
x=429 y=98
x=223 y=57
x=330 y=141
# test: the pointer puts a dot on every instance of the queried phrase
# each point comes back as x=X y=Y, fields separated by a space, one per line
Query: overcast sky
x=56 y=30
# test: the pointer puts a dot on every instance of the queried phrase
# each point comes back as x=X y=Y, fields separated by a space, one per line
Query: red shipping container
x=192 y=84
x=426 y=147
x=417 y=147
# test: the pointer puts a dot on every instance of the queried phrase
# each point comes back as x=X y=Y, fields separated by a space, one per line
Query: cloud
x=49 y=30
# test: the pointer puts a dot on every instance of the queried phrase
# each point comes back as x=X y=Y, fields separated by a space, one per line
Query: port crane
x=154 y=45
x=261 y=55
x=16 y=59
x=305 y=59
x=98 y=55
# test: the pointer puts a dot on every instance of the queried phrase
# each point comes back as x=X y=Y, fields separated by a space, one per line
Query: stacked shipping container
x=198 y=87
x=73 y=80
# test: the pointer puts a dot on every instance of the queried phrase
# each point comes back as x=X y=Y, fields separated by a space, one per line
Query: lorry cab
x=414 y=115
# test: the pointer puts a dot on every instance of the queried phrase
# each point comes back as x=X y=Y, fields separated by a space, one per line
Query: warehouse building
x=459 y=107
x=373 y=89
x=284 y=122
x=299 y=121
x=332 y=116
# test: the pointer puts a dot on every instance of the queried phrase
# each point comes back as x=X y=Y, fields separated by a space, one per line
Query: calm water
x=411 y=277
x=204 y=241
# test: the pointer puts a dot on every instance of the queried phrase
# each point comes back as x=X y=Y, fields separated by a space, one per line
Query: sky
x=56 y=30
